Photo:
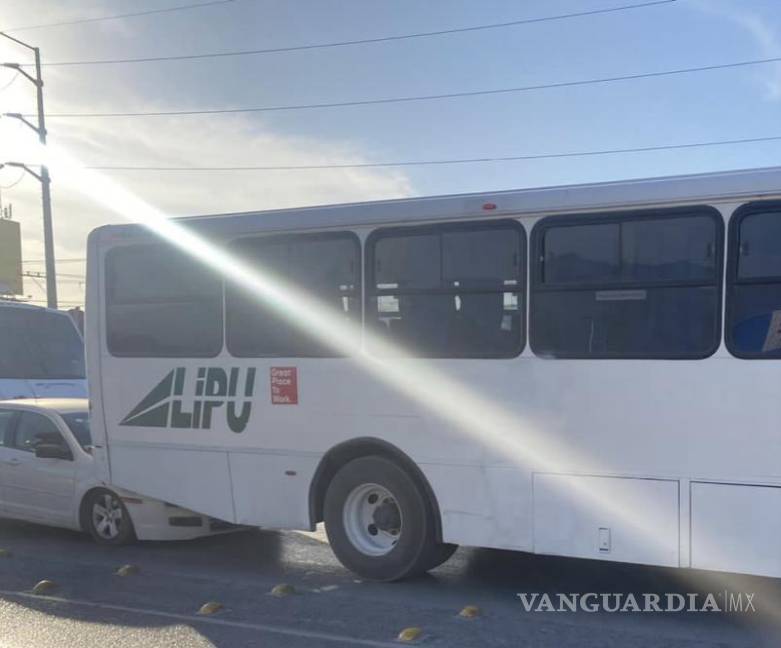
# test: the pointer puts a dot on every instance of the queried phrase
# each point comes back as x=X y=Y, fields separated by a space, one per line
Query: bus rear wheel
x=379 y=523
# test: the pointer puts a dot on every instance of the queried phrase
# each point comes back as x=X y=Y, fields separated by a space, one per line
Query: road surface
x=158 y=605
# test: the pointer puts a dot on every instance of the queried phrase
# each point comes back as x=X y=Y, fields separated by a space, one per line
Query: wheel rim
x=372 y=519
x=107 y=516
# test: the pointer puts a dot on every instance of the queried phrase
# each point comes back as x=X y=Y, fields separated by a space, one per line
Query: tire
x=107 y=519
x=379 y=522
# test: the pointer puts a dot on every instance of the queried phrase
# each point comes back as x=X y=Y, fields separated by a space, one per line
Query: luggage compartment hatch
x=607 y=518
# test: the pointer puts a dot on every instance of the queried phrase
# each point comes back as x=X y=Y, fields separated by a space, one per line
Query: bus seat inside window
x=442 y=291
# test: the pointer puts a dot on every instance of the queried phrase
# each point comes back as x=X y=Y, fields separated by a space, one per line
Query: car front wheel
x=107 y=519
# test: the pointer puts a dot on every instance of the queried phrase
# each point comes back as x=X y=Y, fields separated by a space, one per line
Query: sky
x=715 y=105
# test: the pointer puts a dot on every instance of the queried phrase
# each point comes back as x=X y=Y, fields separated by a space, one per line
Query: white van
x=41 y=353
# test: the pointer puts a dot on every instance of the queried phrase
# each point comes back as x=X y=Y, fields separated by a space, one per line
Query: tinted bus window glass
x=157 y=273
x=673 y=249
x=577 y=254
x=408 y=262
x=754 y=304
x=464 y=258
x=658 y=296
x=448 y=291
x=39 y=344
x=161 y=303
x=324 y=267
x=760 y=246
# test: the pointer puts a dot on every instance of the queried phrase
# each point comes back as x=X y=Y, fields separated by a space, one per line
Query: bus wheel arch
x=345 y=452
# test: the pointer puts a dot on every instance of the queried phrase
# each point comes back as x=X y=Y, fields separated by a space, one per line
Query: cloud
x=185 y=141
x=198 y=142
x=761 y=32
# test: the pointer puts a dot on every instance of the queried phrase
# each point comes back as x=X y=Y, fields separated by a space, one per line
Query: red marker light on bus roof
x=489 y=206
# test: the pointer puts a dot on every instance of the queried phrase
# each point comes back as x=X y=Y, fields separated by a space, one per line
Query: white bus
x=587 y=371
x=41 y=353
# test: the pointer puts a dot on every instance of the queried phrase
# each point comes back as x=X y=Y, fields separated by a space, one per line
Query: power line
x=42 y=275
x=361 y=41
x=8 y=85
x=83 y=260
x=478 y=160
x=118 y=16
x=441 y=96
x=15 y=182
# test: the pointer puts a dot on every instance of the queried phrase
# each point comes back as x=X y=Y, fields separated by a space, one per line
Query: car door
x=7 y=419
x=37 y=489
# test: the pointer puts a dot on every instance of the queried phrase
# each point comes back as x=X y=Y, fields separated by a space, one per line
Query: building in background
x=10 y=258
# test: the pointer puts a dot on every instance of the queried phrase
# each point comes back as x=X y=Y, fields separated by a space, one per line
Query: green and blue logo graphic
x=216 y=391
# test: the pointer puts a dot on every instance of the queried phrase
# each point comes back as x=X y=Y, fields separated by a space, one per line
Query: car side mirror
x=53 y=451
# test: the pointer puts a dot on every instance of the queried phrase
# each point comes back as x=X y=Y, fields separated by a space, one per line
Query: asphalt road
x=157 y=606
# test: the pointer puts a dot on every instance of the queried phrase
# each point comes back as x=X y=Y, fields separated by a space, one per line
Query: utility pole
x=48 y=229
x=46 y=196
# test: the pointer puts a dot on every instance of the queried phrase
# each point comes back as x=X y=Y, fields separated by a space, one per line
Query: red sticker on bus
x=284 y=386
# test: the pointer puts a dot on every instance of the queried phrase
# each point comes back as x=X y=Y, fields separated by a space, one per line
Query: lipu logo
x=215 y=388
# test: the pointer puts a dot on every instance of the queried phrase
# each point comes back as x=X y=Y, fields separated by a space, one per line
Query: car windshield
x=78 y=422
x=39 y=344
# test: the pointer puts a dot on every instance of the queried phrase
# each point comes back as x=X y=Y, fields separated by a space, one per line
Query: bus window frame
x=537 y=285
x=108 y=302
x=521 y=288
x=357 y=292
x=732 y=280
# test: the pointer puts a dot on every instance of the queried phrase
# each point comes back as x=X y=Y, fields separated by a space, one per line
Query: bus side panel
x=169 y=474
x=607 y=518
x=272 y=489
x=735 y=528
x=483 y=506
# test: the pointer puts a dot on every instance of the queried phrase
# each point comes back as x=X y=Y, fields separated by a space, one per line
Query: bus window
x=448 y=291
x=160 y=302
x=754 y=304
x=39 y=344
x=326 y=267
x=627 y=286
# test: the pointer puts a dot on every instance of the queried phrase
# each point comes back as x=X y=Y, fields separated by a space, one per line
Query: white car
x=48 y=475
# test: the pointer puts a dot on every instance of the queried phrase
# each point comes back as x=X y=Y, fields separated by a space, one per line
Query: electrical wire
x=361 y=41
x=15 y=182
x=82 y=260
x=477 y=160
x=118 y=16
x=8 y=85
x=407 y=99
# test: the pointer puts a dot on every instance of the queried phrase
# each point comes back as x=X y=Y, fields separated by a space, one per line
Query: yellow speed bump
x=4 y=553
x=44 y=587
x=283 y=589
x=410 y=634
x=470 y=612
x=127 y=570
x=210 y=608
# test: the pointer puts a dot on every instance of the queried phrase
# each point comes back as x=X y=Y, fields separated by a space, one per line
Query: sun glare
x=518 y=440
